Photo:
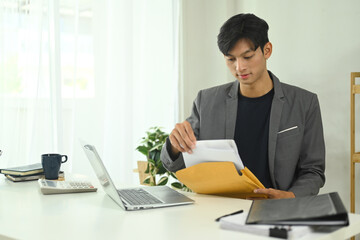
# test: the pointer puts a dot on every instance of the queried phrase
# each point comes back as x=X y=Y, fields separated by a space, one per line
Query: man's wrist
x=173 y=154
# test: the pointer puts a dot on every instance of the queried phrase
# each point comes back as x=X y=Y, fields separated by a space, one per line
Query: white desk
x=27 y=214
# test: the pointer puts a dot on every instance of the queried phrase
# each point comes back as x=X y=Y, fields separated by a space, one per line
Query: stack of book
x=26 y=173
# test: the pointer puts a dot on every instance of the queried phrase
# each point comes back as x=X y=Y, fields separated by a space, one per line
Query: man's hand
x=274 y=193
x=182 y=138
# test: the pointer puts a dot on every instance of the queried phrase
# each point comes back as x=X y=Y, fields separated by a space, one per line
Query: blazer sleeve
x=310 y=175
x=175 y=164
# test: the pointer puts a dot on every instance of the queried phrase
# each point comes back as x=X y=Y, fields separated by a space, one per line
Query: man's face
x=247 y=65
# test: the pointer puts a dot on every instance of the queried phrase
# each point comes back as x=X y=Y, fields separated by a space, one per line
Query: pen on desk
x=218 y=219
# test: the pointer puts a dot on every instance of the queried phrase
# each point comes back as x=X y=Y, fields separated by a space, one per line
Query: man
x=277 y=127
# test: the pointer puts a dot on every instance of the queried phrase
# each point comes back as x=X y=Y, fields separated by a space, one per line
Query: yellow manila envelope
x=220 y=178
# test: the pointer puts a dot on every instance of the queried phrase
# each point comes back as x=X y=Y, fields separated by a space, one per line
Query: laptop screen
x=101 y=173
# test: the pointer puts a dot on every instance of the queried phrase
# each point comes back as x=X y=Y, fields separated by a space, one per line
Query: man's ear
x=267 y=50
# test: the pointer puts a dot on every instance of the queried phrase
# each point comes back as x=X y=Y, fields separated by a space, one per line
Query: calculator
x=56 y=187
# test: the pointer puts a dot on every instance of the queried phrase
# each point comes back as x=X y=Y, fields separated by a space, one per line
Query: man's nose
x=240 y=65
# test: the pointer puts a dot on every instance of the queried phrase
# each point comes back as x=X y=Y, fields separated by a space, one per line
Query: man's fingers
x=178 y=142
x=182 y=137
x=187 y=141
x=175 y=146
x=174 y=141
x=263 y=191
x=271 y=193
x=185 y=131
x=190 y=132
x=274 y=193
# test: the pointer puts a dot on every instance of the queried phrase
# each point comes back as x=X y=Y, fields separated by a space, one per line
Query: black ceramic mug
x=51 y=163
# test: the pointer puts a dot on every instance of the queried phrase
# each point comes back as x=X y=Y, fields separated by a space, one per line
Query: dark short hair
x=243 y=26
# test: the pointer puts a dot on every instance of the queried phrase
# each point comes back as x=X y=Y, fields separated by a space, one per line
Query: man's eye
x=231 y=59
x=248 y=57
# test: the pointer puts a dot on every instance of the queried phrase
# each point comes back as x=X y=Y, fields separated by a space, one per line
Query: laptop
x=133 y=198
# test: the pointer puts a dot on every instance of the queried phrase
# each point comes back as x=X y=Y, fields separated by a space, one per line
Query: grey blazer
x=296 y=143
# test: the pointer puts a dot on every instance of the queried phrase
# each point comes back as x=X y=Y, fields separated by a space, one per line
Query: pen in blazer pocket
x=288 y=129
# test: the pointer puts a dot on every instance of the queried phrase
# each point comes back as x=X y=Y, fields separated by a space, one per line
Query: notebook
x=25 y=170
x=237 y=223
x=133 y=198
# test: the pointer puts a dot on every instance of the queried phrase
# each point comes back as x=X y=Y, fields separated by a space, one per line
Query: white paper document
x=237 y=223
x=214 y=151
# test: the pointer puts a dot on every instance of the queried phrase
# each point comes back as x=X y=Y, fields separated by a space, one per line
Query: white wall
x=201 y=62
x=316 y=44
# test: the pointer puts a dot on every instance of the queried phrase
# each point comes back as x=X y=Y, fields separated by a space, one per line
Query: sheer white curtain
x=102 y=71
x=141 y=77
x=27 y=105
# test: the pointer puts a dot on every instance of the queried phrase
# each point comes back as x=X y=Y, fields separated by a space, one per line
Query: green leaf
x=156 y=156
x=177 y=185
x=159 y=164
x=151 y=155
x=151 y=161
x=154 y=171
x=147 y=180
x=186 y=189
x=161 y=168
x=152 y=137
x=157 y=146
x=173 y=175
x=163 y=181
x=142 y=149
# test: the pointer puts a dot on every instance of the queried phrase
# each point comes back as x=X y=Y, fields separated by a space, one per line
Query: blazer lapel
x=231 y=110
x=275 y=117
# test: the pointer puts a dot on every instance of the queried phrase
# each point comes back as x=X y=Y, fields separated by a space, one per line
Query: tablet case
x=321 y=210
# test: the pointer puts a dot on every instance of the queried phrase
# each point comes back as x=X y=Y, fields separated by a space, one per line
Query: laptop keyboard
x=138 y=197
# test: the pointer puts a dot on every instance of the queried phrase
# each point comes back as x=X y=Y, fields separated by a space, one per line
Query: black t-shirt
x=252 y=134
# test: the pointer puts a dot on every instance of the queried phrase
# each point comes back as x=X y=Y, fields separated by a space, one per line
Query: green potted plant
x=151 y=146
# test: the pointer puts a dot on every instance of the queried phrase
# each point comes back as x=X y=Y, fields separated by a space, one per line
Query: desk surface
x=27 y=214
